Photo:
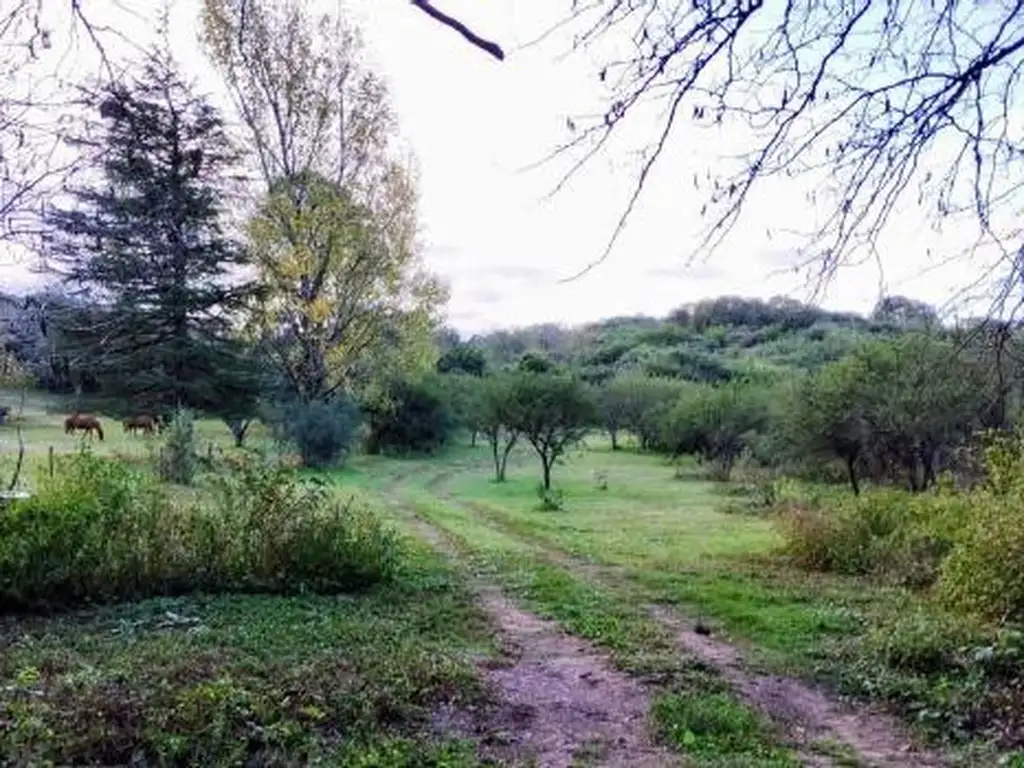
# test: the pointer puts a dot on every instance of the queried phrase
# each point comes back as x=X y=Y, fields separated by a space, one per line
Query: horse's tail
x=99 y=429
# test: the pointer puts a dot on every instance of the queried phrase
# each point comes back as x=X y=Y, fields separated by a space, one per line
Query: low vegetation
x=101 y=531
x=218 y=680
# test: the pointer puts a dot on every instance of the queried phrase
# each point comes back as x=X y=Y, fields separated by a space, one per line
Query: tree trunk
x=499 y=469
x=910 y=462
x=547 y=473
x=851 y=472
x=928 y=463
x=472 y=438
x=504 y=458
x=615 y=438
x=238 y=431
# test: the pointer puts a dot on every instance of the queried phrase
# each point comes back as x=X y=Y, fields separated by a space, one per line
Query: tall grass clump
x=102 y=531
x=984 y=574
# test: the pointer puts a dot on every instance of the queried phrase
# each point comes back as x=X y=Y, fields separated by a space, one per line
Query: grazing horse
x=144 y=421
x=83 y=422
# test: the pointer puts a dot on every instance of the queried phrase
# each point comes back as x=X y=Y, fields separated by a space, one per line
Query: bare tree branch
x=874 y=107
x=440 y=16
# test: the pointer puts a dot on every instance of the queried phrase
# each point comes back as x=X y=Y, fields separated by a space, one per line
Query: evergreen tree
x=146 y=243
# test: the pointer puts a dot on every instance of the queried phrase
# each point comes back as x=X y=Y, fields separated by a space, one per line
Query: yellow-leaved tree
x=345 y=295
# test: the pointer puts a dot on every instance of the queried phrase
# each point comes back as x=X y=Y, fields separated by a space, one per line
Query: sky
x=490 y=227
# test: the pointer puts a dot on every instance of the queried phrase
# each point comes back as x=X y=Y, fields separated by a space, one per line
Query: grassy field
x=635 y=538
x=688 y=616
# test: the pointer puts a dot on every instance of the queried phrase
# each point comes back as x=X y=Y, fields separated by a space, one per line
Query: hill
x=712 y=340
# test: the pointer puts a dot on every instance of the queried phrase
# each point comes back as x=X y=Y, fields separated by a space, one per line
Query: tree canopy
x=145 y=241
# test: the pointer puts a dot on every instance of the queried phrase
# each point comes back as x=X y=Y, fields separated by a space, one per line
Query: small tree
x=179 y=461
x=498 y=420
x=828 y=416
x=465 y=393
x=322 y=431
x=553 y=412
x=535 y=362
x=611 y=410
x=717 y=422
x=640 y=403
x=409 y=416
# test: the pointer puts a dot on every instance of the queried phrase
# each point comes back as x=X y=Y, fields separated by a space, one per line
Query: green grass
x=609 y=615
x=653 y=538
x=668 y=536
x=354 y=680
x=223 y=680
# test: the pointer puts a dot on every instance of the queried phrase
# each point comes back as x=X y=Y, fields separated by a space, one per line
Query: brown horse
x=83 y=422
x=144 y=421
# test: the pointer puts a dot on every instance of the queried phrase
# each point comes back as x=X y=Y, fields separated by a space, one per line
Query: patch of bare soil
x=560 y=700
x=807 y=713
x=560 y=703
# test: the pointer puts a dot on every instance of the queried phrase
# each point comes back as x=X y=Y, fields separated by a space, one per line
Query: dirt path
x=807 y=713
x=561 y=703
x=804 y=712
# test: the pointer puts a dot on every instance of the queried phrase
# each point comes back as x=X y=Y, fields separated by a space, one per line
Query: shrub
x=178 y=461
x=985 y=572
x=551 y=499
x=273 y=531
x=101 y=531
x=887 y=533
x=409 y=417
x=923 y=641
x=321 y=431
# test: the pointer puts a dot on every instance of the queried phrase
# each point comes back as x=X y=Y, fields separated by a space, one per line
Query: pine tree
x=146 y=244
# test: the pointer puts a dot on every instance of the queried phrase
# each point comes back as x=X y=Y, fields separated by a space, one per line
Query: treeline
x=897 y=398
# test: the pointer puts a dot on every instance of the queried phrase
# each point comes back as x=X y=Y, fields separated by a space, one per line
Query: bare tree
x=874 y=104
x=28 y=141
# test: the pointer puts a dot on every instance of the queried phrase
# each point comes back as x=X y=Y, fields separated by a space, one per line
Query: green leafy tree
x=499 y=420
x=535 y=362
x=717 y=422
x=889 y=407
x=336 y=289
x=145 y=242
x=553 y=412
x=409 y=416
x=346 y=300
x=925 y=397
x=465 y=395
x=463 y=358
x=637 y=403
x=828 y=415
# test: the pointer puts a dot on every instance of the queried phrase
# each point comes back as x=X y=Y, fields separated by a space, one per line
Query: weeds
x=101 y=531
x=247 y=680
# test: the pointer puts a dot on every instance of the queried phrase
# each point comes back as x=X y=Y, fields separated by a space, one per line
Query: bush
x=409 y=417
x=886 y=533
x=985 y=572
x=178 y=461
x=922 y=641
x=101 y=531
x=321 y=431
x=551 y=499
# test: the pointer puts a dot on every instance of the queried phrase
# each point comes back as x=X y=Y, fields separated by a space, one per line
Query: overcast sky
x=473 y=124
